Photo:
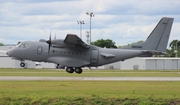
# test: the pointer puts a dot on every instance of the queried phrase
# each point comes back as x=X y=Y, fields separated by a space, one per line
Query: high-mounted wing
x=75 y=40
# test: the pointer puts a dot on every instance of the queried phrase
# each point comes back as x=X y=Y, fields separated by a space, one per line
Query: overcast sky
x=123 y=21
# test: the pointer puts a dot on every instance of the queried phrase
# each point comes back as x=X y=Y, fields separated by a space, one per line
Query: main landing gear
x=71 y=70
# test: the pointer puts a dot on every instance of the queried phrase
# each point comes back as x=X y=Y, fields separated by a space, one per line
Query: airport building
x=149 y=63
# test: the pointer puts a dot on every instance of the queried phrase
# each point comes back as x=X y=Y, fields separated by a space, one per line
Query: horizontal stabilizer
x=105 y=55
x=154 y=52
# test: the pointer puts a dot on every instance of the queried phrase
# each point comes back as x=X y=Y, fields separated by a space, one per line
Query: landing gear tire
x=78 y=70
x=69 y=70
x=22 y=64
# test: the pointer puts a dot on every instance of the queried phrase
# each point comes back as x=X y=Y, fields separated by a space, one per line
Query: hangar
x=149 y=63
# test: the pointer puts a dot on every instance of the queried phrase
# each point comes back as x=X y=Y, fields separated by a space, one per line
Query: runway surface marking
x=32 y=78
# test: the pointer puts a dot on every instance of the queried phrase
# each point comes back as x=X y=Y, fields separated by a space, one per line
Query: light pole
x=80 y=23
x=87 y=35
x=91 y=15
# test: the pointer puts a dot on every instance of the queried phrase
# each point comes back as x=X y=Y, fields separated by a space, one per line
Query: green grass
x=91 y=73
x=88 y=92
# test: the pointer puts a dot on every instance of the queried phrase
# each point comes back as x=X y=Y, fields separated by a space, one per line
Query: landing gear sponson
x=72 y=70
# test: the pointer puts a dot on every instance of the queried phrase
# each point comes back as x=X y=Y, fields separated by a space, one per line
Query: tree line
x=1 y=44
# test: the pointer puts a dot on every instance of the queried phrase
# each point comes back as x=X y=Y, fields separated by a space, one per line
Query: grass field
x=88 y=92
x=92 y=73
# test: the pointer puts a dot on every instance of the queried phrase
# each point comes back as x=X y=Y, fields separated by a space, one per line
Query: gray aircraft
x=74 y=54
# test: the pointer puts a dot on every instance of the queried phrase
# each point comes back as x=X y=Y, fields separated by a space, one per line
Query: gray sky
x=123 y=21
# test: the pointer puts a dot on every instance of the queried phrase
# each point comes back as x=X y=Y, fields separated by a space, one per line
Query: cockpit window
x=21 y=45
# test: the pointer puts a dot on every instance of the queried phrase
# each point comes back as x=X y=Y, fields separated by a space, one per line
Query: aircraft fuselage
x=38 y=51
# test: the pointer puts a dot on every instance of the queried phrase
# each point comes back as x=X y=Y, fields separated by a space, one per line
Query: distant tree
x=130 y=44
x=136 y=42
x=172 y=51
x=175 y=47
x=108 y=43
x=1 y=44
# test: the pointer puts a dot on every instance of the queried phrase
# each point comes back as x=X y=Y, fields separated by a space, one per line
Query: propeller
x=49 y=42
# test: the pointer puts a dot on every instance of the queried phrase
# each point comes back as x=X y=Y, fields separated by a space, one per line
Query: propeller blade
x=49 y=42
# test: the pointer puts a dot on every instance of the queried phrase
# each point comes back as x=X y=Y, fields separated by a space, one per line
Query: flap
x=75 y=40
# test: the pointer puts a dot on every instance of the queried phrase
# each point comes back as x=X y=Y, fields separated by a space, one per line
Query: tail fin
x=158 y=39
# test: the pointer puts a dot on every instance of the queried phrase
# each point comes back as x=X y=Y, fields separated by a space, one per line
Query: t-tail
x=157 y=41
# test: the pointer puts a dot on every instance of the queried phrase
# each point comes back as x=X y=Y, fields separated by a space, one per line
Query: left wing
x=75 y=40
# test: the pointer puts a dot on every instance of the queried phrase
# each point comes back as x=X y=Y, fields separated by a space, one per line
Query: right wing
x=75 y=40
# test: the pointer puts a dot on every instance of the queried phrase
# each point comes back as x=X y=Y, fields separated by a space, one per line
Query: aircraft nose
x=10 y=52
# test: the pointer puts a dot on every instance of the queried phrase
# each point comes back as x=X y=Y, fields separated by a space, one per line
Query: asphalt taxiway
x=32 y=78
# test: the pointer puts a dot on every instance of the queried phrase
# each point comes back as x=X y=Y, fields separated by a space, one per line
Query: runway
x=32 y=78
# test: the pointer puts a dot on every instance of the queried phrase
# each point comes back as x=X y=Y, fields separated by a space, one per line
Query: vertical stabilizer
x=158 y=39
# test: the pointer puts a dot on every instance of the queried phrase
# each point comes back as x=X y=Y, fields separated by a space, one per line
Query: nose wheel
x=22 y=64
x=72 y=70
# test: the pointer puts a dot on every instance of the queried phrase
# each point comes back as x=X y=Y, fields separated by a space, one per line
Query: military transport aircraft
x=74 y=54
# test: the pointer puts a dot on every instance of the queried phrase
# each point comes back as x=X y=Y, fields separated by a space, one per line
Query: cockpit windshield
x=21 y=45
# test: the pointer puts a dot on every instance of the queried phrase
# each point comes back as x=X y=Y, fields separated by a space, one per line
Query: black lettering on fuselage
x=136 y=46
